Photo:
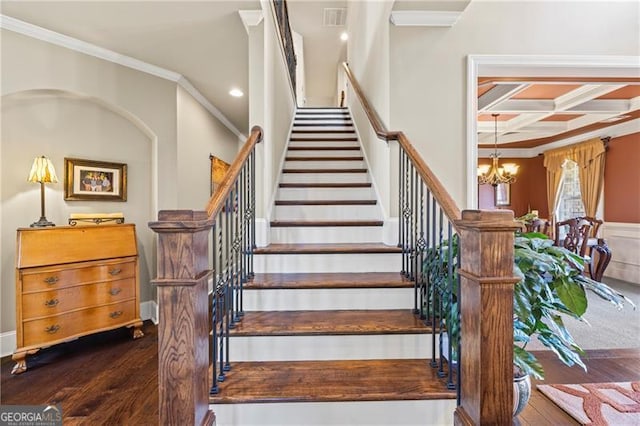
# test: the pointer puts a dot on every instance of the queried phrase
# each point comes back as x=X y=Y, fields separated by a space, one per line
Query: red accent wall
x=621 y=183
x=622 y=180
x=528 y=192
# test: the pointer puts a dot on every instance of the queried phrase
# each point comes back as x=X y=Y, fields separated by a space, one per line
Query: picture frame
x=219 y=169
x=90 y=180
x=502 y=194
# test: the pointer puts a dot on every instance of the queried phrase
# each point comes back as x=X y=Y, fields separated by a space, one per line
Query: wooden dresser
x=74 y=281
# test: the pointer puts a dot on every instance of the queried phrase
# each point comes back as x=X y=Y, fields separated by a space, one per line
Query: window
x=570 y=204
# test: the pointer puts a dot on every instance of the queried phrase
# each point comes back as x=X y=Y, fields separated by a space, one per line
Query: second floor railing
x=461 y=264
x=284 y=28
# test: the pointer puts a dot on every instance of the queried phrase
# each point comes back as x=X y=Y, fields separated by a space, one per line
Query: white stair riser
x=326 y=234
x=361 y=413
x=337 y=126
x=331 y=115
x=306 y=135
x=327 y=299
x=341 y=212
x=326 y=194
x=324 y=177
x=324 y=143
x=378 y=262
x=324 y=120
x=321 y=110
x=322 y=348
x=321 y=153
x=328 y=164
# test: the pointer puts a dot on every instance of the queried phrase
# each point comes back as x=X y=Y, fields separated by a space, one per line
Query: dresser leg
x=21 y=361
x=137 y=330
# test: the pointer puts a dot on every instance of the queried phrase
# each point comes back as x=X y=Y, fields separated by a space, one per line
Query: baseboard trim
x=149 y=311
x=7 y=343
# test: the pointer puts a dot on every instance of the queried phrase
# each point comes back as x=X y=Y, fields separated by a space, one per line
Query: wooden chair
x=538 y=225
x=599 y=252
x=576 y=237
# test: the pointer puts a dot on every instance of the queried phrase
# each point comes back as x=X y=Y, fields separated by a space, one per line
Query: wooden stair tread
x=305 y=118
x=308 y=280
x=329 y=322
x=306 y=223
x=327 y=248
x=323 y=139
x=325 y=202
x=326 y=185
x=324 y=170
x=331 y=381
x=324 y=158
x=341 y=123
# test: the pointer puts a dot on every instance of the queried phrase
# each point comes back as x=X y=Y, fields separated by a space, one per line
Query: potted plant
x=552 y=287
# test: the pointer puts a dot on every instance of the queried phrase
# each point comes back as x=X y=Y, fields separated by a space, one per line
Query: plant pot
x=521 y=392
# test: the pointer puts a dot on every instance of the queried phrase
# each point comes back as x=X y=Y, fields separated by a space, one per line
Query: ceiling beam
x=498 y=94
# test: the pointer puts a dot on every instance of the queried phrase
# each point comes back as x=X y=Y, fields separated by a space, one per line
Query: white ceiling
x=192 y=39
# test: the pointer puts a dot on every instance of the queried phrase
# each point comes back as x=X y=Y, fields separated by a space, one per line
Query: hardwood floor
x=110 y=379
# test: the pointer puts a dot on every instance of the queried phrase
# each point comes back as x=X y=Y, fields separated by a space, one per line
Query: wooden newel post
x=486 y=306
x=183 y=330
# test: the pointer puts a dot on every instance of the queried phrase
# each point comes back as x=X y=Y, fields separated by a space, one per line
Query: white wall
x=368 y=53
x=428 y=65
x=199 y=134
x=298 y=47
x=624 y=241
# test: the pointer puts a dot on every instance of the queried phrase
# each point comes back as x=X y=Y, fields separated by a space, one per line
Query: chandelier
x=495 y=174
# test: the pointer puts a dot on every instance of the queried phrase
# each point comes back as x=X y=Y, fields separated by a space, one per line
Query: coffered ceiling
x=537 y=111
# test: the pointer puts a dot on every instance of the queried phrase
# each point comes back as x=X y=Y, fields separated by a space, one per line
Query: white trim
x=262 y=232
x=149 y=311
x=7 y=343
x=368 y=165
x=274 y=191
x=250 y=18
x=39 y=33
x=390 y=231
x=624 y=241
x=527 y=65
x=424 y=18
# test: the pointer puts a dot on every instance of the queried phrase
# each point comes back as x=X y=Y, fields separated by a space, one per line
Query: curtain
x=590 y=157
x=553 y=161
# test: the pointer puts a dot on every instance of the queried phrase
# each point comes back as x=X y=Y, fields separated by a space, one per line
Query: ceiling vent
x=335 y=17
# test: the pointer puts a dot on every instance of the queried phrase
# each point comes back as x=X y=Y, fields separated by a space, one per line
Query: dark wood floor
x=110 y=379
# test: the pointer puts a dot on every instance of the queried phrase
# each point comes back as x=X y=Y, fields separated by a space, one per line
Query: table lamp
x=42 y=172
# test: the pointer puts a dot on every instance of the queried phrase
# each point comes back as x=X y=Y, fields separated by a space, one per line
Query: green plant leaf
x=572 y=296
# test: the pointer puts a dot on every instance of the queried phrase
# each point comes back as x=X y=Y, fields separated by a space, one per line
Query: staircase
x=328 y=336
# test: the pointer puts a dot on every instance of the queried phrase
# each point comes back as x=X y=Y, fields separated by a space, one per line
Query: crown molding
x=71 y=43
x=424 y=18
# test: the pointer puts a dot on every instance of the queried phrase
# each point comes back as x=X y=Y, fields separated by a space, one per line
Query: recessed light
x=236 y=93
x=344 y=36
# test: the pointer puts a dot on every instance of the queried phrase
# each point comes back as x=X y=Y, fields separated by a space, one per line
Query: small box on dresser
x=74 y=281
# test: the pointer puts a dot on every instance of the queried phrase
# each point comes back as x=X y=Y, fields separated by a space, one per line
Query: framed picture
x=503 y=194
x=94 y=180
x=219 y=169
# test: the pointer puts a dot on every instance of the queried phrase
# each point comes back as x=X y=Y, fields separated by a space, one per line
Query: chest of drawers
x=74 y=281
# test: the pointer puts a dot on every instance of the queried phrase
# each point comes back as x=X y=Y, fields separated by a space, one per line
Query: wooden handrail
x=217 y=200
x=433 y=183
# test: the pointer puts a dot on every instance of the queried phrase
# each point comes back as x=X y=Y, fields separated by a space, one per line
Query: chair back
x=576 y=235
x=538 y=225
x=595 y=225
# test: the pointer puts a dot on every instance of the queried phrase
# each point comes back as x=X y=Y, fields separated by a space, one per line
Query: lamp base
x=42 y=223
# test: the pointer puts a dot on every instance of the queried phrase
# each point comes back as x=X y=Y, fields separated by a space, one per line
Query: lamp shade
x=42 y=171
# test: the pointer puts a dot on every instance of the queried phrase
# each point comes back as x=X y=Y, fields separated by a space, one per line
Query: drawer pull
x=115 y=271
x=115 y=314
x=51 y=303
x=51 y=280
x=52 y=329
x=114 y=291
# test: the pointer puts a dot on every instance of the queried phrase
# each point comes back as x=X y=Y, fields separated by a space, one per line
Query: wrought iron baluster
x=236 y=251
x=435 y=294
x=421 y=246
x=401 y=213
x=459 y=321
x=220 y=294
x=441 y=372
x=214 y=322
x=252 y=210
x=228 y=289
x=400 y=198
x=450 y=282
